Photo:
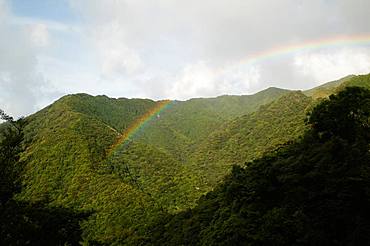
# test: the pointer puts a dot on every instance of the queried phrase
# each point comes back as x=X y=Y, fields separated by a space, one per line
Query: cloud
x=190 y=40
x=19 y=80
x=174 y=49
x=201 y=79
x=115 y=56
x=196 y=80
x=332 y=65
x=39 y=34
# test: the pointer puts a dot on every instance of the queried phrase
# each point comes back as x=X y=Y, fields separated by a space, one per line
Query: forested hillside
x=314 y=191
x=185 y=124
x=249 y=136
x=65 y=159
x=61 y=164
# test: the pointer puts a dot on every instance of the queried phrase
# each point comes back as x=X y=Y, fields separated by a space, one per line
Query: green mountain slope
x=185 y=124
x=167 y=165
x=65 y=165
x=327 y=89
x=332 y=87
x=359 y=80
x=116 y=113
x=248 y=137
x=311 y=192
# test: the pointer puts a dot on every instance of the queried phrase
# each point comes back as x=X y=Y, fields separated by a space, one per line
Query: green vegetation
x=65 y=164
x=327 y=89
x=311 y=192
x=56 y=172
x=25 y=223
x=250 y=136
x=184 y=125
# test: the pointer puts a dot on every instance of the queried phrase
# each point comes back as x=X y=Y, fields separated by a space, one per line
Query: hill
x=65 y=162
x=177 y=156
x=248 y=137
x=327 y=89
x=314 y=191
x=187 y=123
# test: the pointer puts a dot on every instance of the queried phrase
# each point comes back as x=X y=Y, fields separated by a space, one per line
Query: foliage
x=345 y=115
x=184 y=125
x=39 y=224
x=27 y=223
x=355 y=81
x=5 y=117
x=10 y=146
x=161 y=171
x=327 y=89
x=248 y=137
x=312 y=192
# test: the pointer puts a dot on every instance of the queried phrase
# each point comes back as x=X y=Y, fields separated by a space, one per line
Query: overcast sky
x=175 y=49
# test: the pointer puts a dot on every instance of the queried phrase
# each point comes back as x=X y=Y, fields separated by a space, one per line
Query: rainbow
x=284 y=50
x=272 y=53
x=138 y=124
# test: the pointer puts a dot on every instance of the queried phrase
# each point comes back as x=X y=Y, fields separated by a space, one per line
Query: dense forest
x=278 y=167
x=313 y=191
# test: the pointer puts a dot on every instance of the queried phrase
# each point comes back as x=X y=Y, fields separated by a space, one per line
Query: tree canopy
x=311 y=192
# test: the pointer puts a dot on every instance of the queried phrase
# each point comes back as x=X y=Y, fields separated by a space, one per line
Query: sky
x=175 y=49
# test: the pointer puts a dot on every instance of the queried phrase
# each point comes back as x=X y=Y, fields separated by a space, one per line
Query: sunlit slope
x=167 y=165
x=74 y=133
x=359 y=80
x=117 y=113
x=332 y=87
x=327 y=89
x=181 y=127
x=314 y=191
x=248 y=137
x=68 y=140
x=66 y=165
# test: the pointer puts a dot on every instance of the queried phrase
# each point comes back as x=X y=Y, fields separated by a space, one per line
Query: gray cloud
x=224 y=29
x=177 y=49
x=19 y=81
x=216 y=34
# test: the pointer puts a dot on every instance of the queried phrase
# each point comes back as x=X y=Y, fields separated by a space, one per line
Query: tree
x=5 y=117
x=311 y=192
x=24 y=223
x=11 y=136
x=345 y=115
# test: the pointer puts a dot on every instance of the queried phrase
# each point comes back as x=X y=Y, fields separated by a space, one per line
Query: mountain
x=332 y=87
x=66 y=163
x=186 y=123
x=165 y=167
x=249 y=136
x=314 y=191
x=327 y=89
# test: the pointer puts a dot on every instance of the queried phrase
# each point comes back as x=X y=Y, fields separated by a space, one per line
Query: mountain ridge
x=168 y=164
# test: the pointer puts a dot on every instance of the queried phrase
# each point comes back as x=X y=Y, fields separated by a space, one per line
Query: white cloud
x=174 y=49
x=39 y=34
x=333 y=64
x=240 y=79
x=202 y=80
x=115 y=57
x=179 y=46
x=19 y=80
x=196 y=80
